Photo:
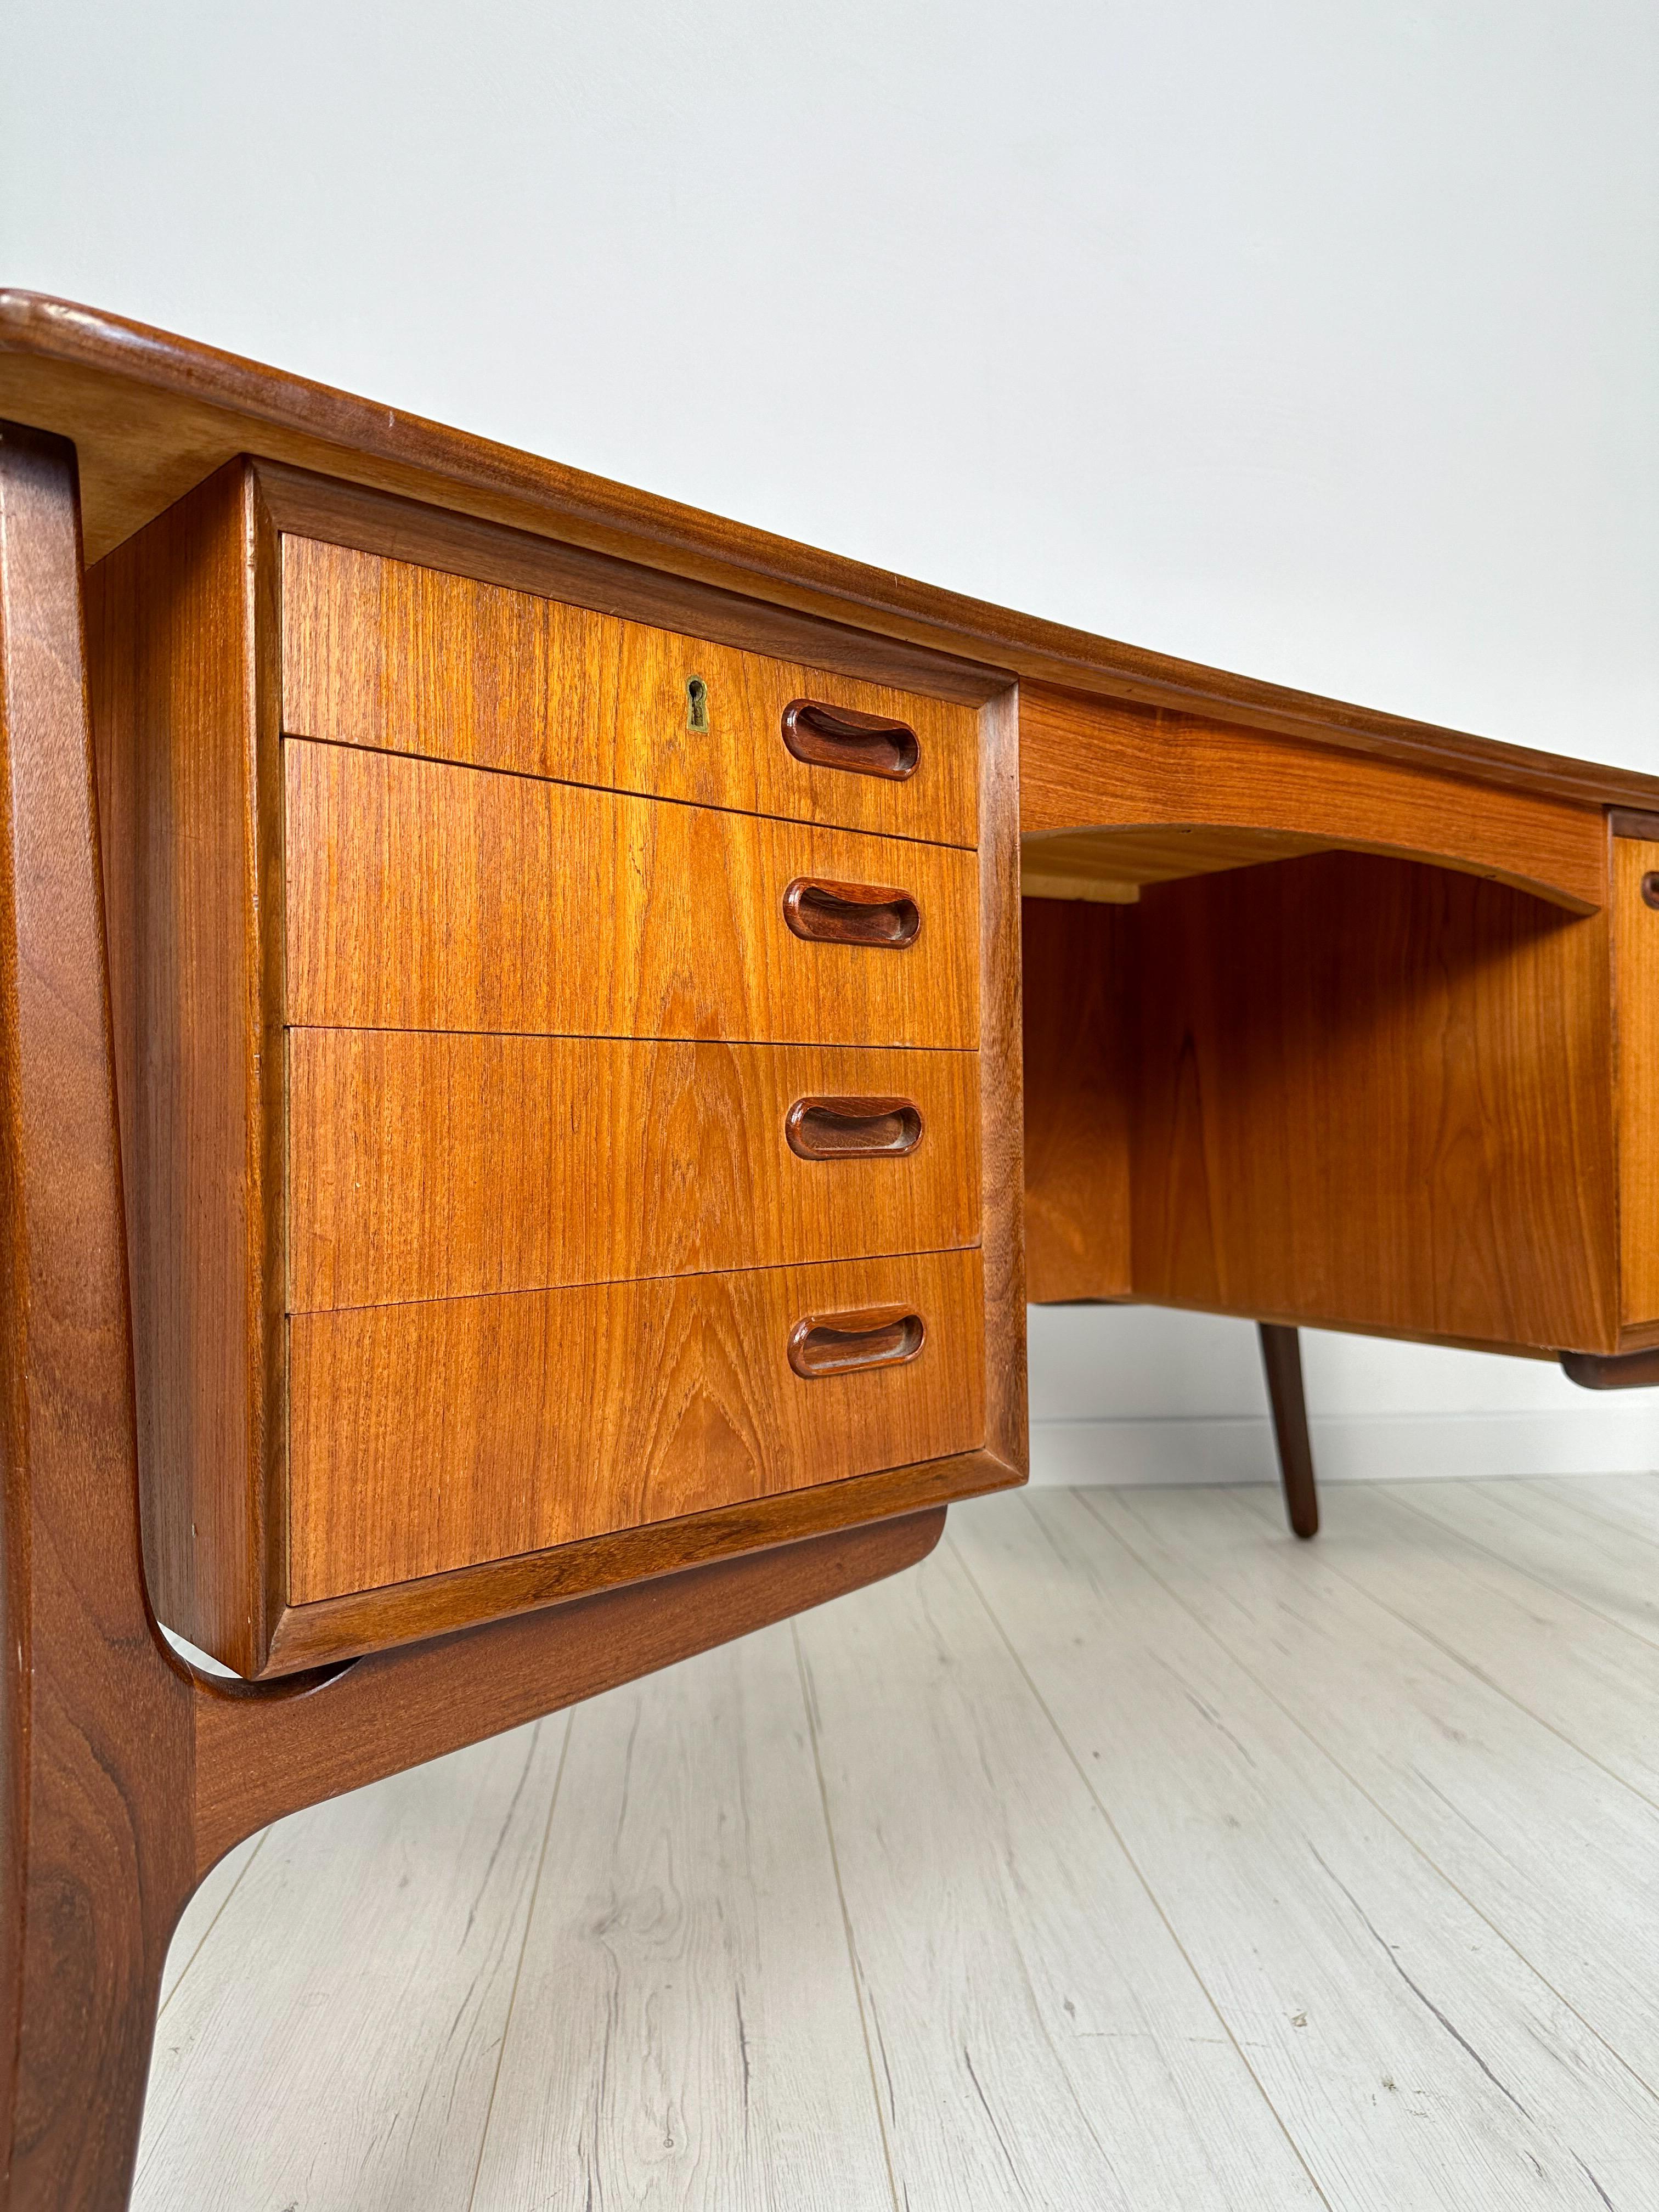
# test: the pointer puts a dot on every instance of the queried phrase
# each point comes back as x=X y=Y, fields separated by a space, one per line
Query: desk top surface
x=151 y=414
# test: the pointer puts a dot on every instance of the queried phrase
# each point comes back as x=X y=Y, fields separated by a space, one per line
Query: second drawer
x=430 y=1166
x=426 y=896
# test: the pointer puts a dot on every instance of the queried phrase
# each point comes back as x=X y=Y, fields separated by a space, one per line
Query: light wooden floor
x=1125 y=1854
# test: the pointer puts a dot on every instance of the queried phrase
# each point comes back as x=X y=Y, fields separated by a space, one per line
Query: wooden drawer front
x=380 y=653
x=432 y=1167
x=435 y=1435
x=422 y=895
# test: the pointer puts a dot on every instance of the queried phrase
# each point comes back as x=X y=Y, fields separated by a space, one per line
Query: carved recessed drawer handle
x=850 y=914
x=852 y=1128
x=841 y=1343
x=841 y=736
x=1651 y=888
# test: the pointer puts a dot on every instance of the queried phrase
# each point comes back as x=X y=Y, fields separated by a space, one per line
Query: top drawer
x=408 y=659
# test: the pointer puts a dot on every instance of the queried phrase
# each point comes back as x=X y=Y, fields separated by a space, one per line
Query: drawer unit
x=568 y=1077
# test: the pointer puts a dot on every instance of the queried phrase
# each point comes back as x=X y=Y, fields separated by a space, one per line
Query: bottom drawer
x=437 y=1435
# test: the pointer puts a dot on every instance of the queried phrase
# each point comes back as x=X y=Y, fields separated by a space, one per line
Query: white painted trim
x=1621 y=1439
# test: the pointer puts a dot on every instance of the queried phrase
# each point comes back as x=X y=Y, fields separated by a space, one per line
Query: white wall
x=1318 y=341
x=1132 y=1395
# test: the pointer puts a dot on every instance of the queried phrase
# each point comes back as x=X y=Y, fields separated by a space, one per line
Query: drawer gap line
x=623 y=791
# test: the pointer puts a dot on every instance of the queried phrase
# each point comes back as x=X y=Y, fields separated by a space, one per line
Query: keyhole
x=697 y=704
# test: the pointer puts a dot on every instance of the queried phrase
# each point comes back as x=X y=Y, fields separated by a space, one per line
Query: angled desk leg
x=96 y=1847
x=1281 y=1356
x=123 y=1776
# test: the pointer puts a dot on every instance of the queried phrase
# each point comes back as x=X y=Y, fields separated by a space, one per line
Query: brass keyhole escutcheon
x=696 y=705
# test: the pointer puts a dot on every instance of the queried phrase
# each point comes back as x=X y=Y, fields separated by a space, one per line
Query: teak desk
x=515 y=1165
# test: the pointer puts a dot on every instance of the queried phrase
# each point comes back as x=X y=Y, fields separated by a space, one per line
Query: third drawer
x=431 y=1166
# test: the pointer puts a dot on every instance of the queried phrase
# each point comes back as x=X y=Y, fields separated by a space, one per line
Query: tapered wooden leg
x=96 y=1841
x=1281 y=1356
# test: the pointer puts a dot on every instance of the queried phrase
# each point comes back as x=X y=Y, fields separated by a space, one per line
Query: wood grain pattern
x=336 y=512
x=1537 y=1526
x=1002 y=1157
x=1636 y=988
x=1543 y=1624
x=1627 y=1502
x=429 y=897
x=1031 y=2015
x=194 y=895
x=152 y=414
x=1092 y=889
x=95 y=1749
x=196 y=1921
x=191 y=760
x=126 y=1777
x=1087 y=764
x=430 y=1437
x=1376 y=1093
x=430 y=1166
x=330 y=1630
x=1110 y=865
x=402 y=658
x=1078 y=1092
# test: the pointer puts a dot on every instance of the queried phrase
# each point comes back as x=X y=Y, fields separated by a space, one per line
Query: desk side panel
x=177 y=620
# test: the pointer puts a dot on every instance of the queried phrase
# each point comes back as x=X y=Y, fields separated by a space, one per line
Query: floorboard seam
x=1527 y=1574
x=1627 y=1527
x=1133 y=1864
x=846 y=1916
x=1209 y=1628
x=518 y=1968
x=1461 y=1659
x=1559 y=1491
x=1595 y=1532
x=212 y=1924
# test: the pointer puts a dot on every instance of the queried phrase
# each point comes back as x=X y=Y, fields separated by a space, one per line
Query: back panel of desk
x=1336 y=1090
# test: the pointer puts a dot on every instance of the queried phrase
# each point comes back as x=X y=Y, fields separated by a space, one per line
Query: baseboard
x=1369 y=1448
